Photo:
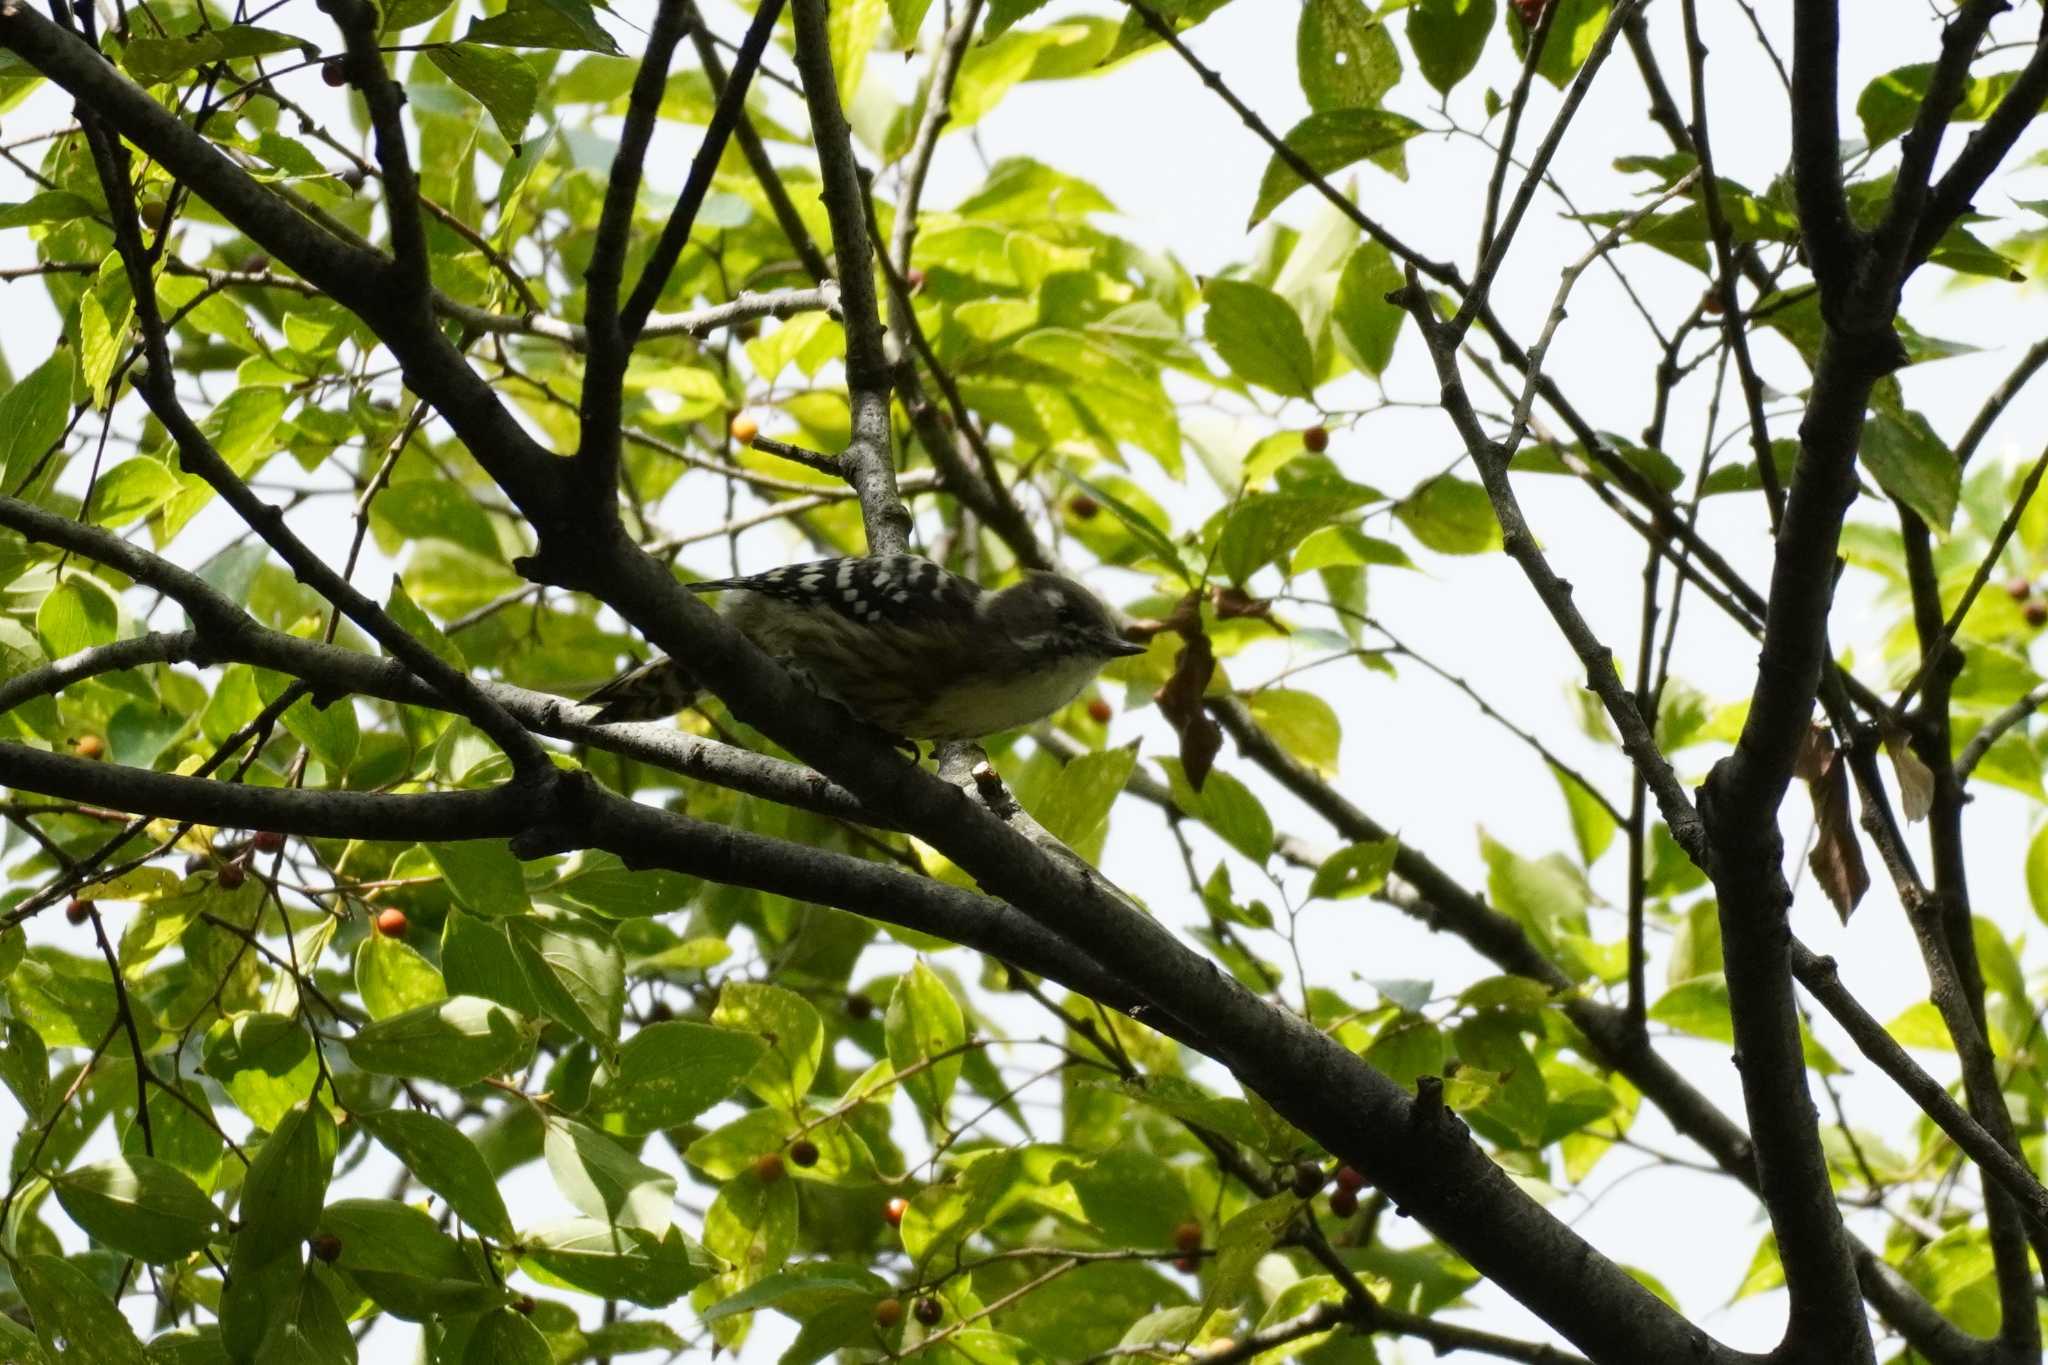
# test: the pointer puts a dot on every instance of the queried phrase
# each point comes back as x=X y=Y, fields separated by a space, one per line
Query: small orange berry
x=78 y=911
x=1188 y=1236
x=745 y=429
x=768 y=1168
x=893 y=1211
x=1099 y=710
x=888 y=1312
x=391 y=922
x=90 y=746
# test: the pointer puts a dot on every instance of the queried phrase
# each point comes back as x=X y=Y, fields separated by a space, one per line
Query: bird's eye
x=1065 y=614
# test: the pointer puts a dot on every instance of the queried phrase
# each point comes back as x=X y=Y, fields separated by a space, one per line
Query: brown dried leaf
x=1837 y=857
x=1916 y=779
x=1231 y=602
x=1180 y=701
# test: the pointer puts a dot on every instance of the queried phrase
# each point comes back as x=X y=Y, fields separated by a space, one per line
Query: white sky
x=1417 y=756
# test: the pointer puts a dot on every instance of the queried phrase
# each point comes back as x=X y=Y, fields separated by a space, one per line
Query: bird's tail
x=649 y=692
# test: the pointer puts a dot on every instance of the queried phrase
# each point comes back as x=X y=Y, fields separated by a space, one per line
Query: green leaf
x=152 y=60
x=51 y=206
x=1138 y=524
x=504 y=1336
x=76 y=614
x=1260 y=337
x=575 y=970
x=443 y=1159
x=854 y=26
x=1346 y=57
x=385 y=1235
x=436 y=509
x=284 y=1187
x=1265 y=527
x=242 y=426
x=1572 y=32
x=1331 y=140
x=132 y=490
x=615 y=1262
x=483 y=876
x=1358 y=870
x=669 y=1073
x=1448 y=36
x=906 y=17
x=1227 y=806
x=265 y=1062
x=604 y=1180
x=1075 y=805
x=392 y=977
x=139 y=1206
x=792 y=1030
x=566 y=24
x=500 y=82
x=752 y=1223
x=1450 y=516
x=1889 y=104
x=1242 y=1243
x=922 y=1024
x=306 y=1327
x=1913 y=464
x=2037 y=873
x=421 y=626
x=1303 y=723
x=458 y=1042
x=1367 y=323
x=32 y=416
x=1592 y=826
x=76 y=1320
x=477 y=959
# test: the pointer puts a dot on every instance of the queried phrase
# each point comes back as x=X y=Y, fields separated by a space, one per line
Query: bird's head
x=1051 y=617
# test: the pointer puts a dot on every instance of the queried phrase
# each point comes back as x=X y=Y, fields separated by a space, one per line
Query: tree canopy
x=357 y=990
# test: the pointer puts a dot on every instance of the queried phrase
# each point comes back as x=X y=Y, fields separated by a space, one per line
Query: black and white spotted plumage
x=905 y=645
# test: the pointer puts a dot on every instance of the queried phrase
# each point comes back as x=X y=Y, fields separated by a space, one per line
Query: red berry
x=1187 y=1265
x=2036 y=613
x=768 y=1168
x=90 y=746
x=267 y=841
x=78 y=911
x=915 y=279
x=1099 y=710
x=804 y=1153
x=1188 y=1236
x=2018 y=589
x=1317 y=439
x=1308 y=1178
x=1343 y=1202
x=1083 y=507
x=231 y=875
x=893 y=1211
x=888 y=1313
x=391 y=922
x=333 y=73
x=524 y=1304
x=1349 y=1178
x=327 y=1247
x=928 y=1311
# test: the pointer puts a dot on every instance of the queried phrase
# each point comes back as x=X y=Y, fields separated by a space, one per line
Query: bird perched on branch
x=904 y=645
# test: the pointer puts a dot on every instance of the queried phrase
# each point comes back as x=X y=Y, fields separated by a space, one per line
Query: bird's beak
x=1117 y=647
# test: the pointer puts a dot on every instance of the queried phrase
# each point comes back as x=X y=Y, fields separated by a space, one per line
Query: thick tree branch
x=869 y=458
x=1833 y=245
